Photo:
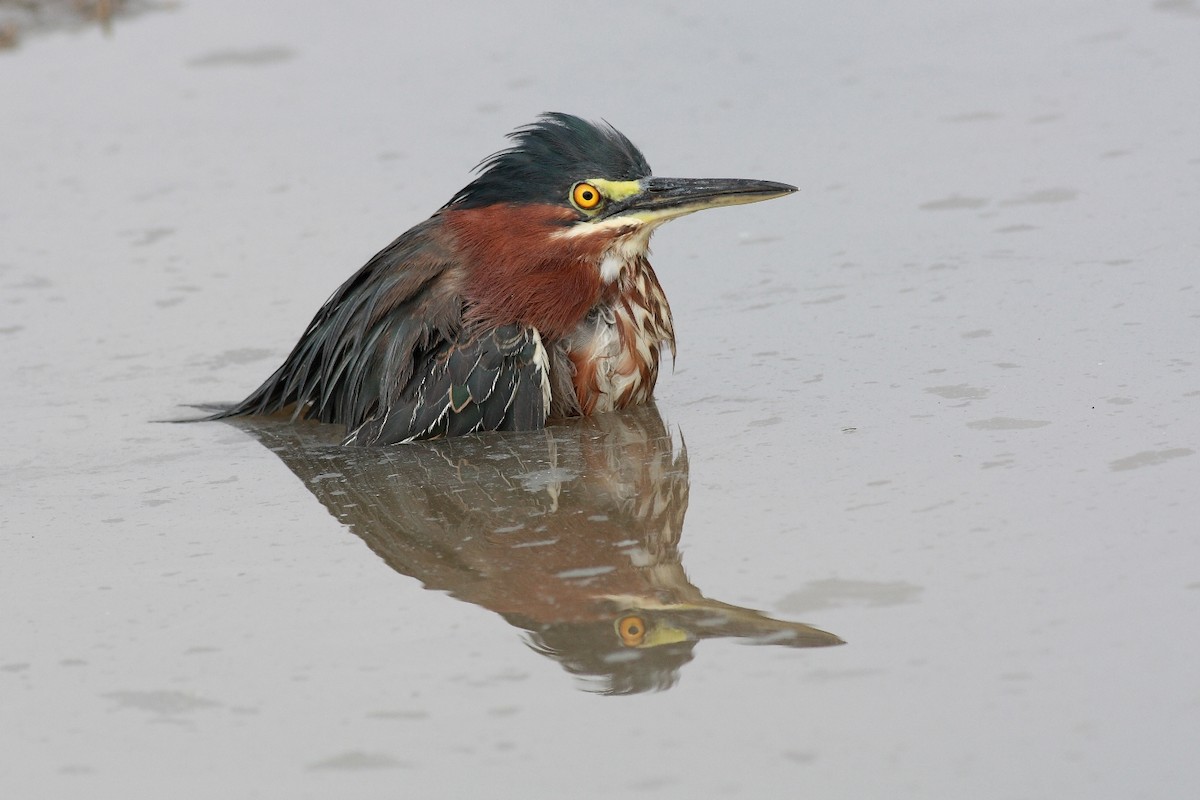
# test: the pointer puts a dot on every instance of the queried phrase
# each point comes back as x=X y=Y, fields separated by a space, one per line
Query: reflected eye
x=632 y=630
x=586 y=196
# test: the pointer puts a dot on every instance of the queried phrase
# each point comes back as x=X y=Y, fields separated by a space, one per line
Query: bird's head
x=575 y=201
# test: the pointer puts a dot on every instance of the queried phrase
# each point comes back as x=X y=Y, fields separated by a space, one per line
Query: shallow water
x=942 y=405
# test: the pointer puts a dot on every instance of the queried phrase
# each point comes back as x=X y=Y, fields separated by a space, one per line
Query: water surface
x=941 y=404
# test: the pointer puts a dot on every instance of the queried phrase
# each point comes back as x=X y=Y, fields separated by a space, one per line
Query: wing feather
x=491 y=381
x=388 y=357
x=361 y=347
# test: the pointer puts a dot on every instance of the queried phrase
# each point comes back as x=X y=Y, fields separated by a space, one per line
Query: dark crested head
x=547 y=158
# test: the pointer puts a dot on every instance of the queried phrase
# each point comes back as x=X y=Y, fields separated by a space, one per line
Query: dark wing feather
x=495 y=380
x=360 y=350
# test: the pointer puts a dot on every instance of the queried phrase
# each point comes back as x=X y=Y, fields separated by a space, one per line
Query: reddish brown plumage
x=519 y=268
x=586 y=381
x=524 y=264
x=617 y=366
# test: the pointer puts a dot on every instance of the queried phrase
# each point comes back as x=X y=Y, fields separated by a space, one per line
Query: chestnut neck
x=520 y=268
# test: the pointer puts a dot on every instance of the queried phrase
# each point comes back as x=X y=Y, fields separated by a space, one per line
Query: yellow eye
x=632 y=630
x=585 y=196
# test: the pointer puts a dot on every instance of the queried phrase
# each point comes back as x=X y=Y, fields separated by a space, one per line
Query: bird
x=527 y=297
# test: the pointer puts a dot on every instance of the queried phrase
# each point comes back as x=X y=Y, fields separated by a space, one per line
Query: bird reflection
x=569 y=533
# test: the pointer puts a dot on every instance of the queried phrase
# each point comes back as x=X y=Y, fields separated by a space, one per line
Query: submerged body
x=528 y=296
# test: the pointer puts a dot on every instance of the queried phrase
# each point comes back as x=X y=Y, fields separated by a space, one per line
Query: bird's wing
x=497 y=379
x=359 y=352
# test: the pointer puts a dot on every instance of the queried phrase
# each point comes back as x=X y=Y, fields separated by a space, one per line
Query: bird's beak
x=661 y=199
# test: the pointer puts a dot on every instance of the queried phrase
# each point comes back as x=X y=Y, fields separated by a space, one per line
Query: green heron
x=526 y=297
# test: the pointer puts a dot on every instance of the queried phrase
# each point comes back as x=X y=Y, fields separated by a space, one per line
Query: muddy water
x=941 y=405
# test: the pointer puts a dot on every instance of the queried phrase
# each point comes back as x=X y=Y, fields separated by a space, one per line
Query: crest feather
x=547 y=158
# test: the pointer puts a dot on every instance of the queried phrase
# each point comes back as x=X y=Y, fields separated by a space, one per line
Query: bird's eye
x=586 y=196
x=632 y=630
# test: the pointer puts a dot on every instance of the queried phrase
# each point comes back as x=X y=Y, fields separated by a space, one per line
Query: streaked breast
x=617 y=348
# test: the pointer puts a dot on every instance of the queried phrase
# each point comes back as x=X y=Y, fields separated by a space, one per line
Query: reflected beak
x=720 y=619
x=703 y=618
x=661 y=199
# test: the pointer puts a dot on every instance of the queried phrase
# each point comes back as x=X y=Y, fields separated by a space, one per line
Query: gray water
x=942 y=405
